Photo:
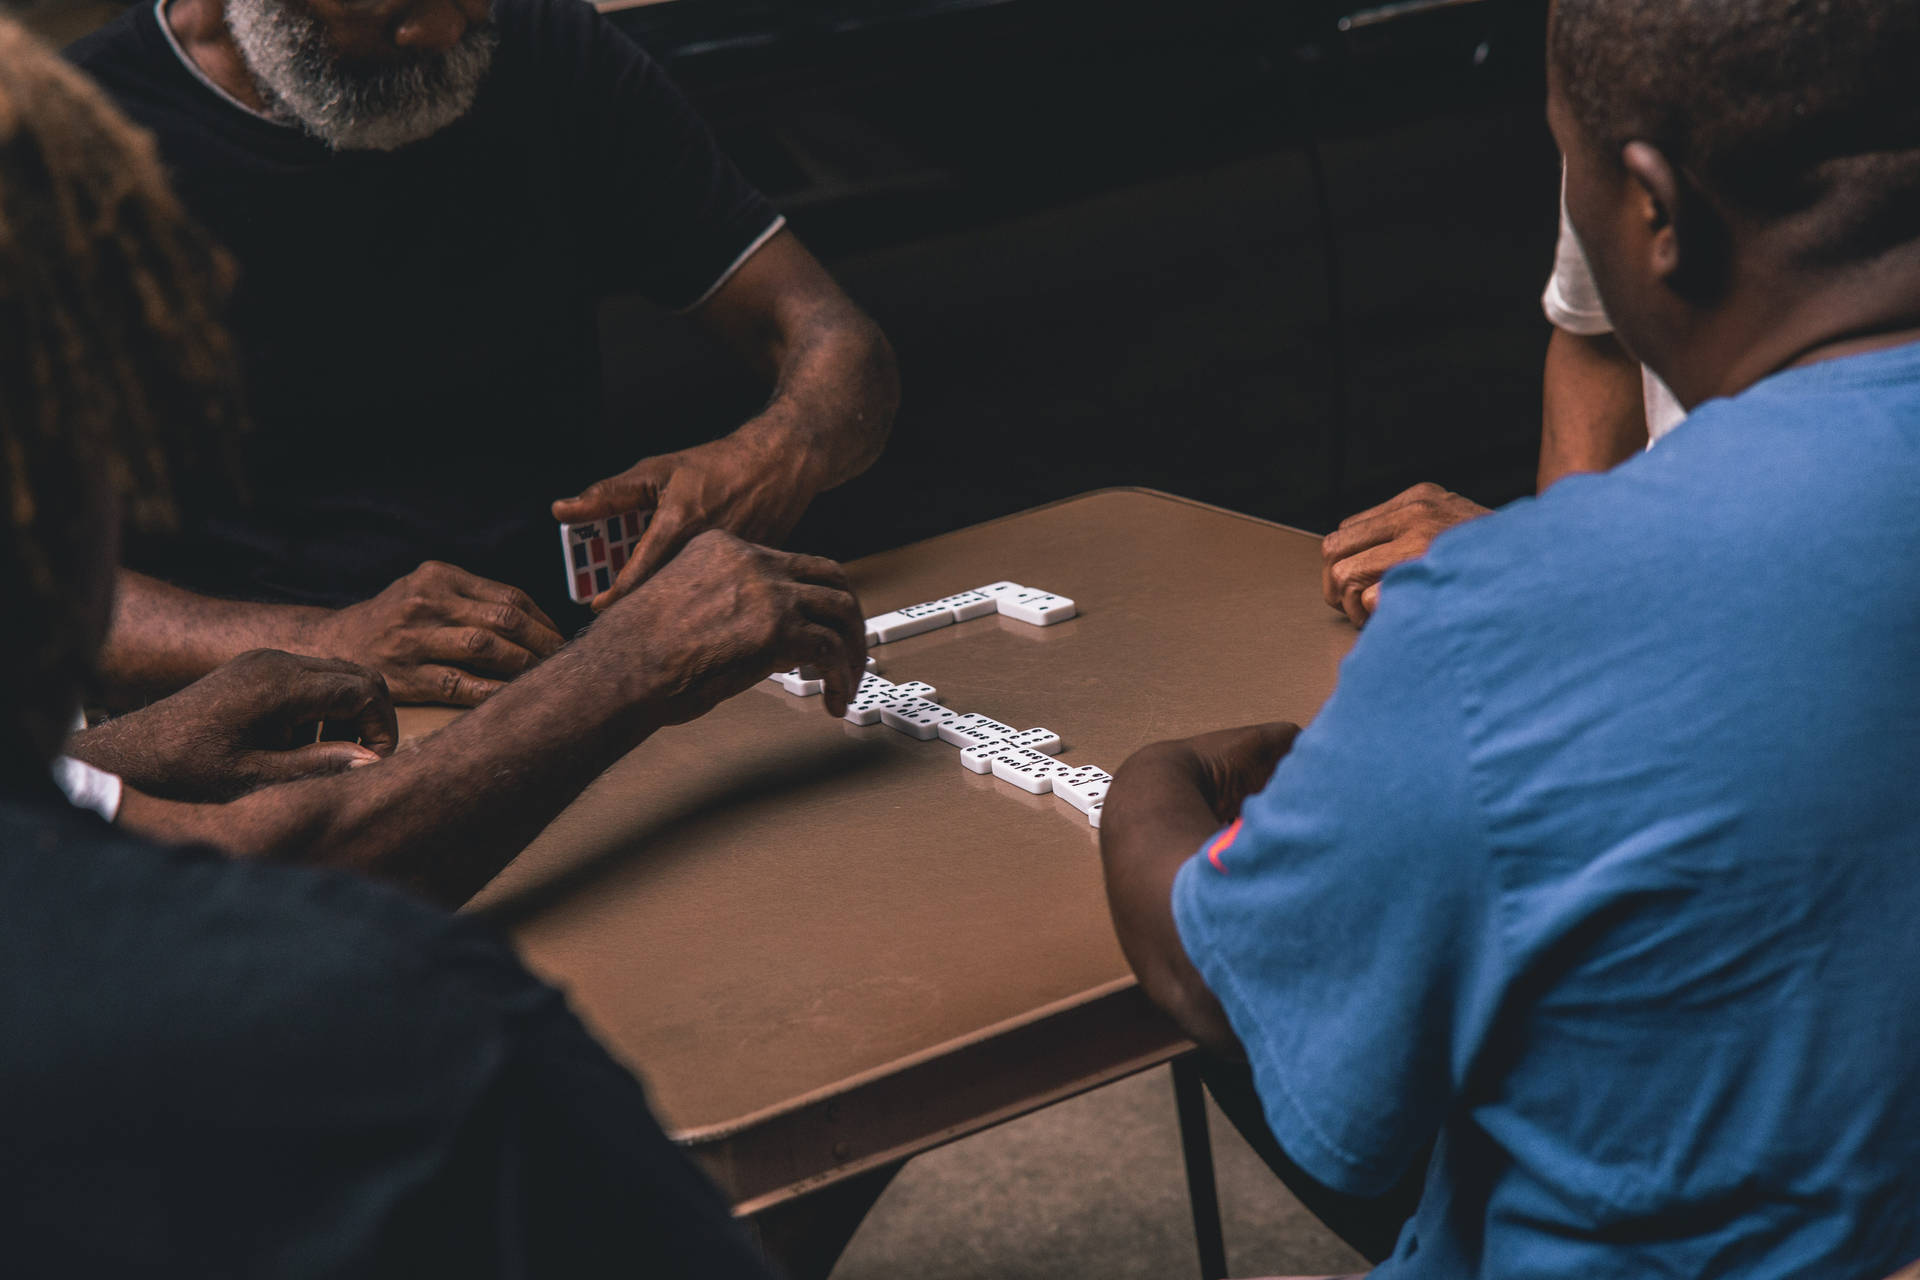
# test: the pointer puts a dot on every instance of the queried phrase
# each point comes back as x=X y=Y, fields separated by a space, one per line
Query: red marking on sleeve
x=1222 y=843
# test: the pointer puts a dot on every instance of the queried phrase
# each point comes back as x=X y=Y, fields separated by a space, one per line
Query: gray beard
x=353 y=108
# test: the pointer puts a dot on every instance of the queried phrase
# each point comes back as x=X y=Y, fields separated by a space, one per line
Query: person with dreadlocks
x=428 y=201
x=1594 y=879
x=224 y=1067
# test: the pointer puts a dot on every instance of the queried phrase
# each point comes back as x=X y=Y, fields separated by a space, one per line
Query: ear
x=1686 y=239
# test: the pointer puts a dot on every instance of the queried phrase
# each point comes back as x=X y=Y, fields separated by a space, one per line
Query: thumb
x=314 y=761
x=609 y=497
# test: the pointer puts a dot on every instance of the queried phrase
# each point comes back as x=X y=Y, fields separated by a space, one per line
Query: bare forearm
x=164 y=638
x=833 y=404
x=1156 y=816
x=1592 y=415
x=443 y=815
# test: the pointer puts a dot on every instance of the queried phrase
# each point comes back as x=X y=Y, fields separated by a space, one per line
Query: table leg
x=805 y=1237
x=1190 y=1102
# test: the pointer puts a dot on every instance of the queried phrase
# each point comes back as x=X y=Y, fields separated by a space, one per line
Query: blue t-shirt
x=1602 y=866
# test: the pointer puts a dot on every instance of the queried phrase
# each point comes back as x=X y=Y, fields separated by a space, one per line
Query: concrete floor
x=1092 y=1187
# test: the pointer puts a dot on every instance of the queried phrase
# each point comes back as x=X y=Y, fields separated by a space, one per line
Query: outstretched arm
x=835 y=389
x=440 y=634
x=1165 y=802
x=443 y=815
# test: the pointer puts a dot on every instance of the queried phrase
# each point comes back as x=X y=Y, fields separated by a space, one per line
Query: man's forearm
x=1592 y=414
x=833 y=404
x=443 y=815
x=1156 y=816
x=164 y=638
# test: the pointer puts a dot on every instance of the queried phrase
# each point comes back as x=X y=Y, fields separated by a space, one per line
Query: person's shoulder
x=123 y=50
x=310 y=965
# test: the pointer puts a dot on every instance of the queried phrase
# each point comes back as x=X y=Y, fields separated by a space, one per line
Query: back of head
x=1800 y=110
x=116 y=383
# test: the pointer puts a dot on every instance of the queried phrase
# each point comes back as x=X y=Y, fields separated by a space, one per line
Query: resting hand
x=250 y=723
x=441 y=634
x=1358 y=554
x=748 y=484
x=1228 y=765
x=724 y=614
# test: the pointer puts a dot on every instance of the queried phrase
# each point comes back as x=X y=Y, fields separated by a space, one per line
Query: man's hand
x=250 y=724
x=746 y=484
x=724 y=614
x=1164 y=803
x=1229 y=765
x=441 y=634
x=1359 y=553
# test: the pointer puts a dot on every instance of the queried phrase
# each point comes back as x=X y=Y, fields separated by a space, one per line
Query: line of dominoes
x=1022 y=757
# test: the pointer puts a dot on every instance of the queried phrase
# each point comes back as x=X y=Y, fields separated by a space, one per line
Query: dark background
x=1240 y=251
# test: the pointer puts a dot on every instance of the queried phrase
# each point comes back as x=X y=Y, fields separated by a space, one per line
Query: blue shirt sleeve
x=1346 y=925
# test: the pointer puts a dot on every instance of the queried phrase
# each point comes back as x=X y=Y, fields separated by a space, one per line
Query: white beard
x=349 y=108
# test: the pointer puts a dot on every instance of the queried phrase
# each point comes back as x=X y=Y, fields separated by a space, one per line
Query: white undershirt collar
x=186 y=60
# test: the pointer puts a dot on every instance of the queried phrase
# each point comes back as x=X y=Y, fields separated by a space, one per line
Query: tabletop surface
x=769 y=904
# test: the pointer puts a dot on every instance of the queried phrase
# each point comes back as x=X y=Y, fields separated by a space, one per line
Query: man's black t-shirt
x=418 y=327
x=213 y=1068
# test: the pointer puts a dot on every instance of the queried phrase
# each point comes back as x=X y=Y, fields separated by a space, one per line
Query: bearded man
x=428 y=200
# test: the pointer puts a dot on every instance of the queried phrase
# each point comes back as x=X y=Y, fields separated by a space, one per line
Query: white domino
x=999 y=588
x=980 y=759
x=797 y=682
x=916 y=717
x=1035 y=607
x=1093 y=813
x=885 y=628
x=1042 y=740
x=966 y=606
x=873 y=693
x=917 y=689
x=1032 y=771
x=1083 y=787
x=975 y=730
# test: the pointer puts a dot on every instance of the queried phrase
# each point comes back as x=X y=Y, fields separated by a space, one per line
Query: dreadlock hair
x=1779 y=108
x=111 y=358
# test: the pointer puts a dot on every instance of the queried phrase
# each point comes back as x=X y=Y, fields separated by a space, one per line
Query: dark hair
x=111 y=359
x=1777 y=107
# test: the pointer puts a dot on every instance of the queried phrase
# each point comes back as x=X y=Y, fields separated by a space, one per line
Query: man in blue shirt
x=1596 y=874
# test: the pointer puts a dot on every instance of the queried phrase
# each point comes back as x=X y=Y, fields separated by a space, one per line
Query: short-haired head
x=1778 y=109
x=117 y=384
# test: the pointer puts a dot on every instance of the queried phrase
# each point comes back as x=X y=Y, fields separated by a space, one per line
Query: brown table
x=827 y=948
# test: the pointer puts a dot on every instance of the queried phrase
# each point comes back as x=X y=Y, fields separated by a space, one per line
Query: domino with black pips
x=1035 y=607
x=1031 y=771
x=1083 y=787
x=916 y=717
x=974 y=729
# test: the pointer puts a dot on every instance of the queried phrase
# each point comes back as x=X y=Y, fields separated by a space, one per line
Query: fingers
x=1357 y=535
x=666 y=533
x=815 y=569
x=816 y=645
x=270 y=768
x=352 y=699
x=836 y=612
x=1425 y=491
x=452 y=686
x=507 y=611
x=638 y=486
x=1353 y=577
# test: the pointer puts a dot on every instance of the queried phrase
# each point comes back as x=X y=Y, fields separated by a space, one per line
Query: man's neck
x=1777 y=318
x=201 y=28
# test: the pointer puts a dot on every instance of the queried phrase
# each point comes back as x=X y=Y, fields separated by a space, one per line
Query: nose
x=435 y=26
